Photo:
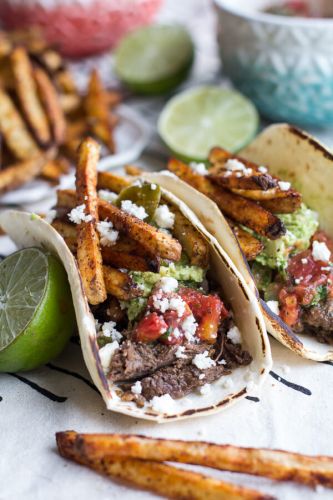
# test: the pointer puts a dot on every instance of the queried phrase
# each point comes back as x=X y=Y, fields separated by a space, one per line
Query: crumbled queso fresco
x=203 y=361
x=199 y=168
x=107 y=195
x=189 y=326
x=109 y=330
x=234 y=335
x=164 y=218
x=106 y=353
x=77 y=215
x=168 y=284
x=136 y=388
x=180 y=353
x=284 y=186
x=164 y=304
x=233 y=165
x=162 y=404
x=108 y=235
x=320 y=251
x=132 y=209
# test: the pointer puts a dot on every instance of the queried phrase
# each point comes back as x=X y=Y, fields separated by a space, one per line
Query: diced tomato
x=289 y=307
x=208 y=311
x=150 y=328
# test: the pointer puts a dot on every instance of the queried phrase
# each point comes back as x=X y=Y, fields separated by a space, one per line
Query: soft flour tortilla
x=293 y=156
x=27 y=230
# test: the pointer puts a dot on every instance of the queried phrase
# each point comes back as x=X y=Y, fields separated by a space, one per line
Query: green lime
x=198 y=119
x=154 y=59
x=36 y=310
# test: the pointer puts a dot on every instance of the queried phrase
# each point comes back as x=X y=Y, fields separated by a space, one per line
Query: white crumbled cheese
x=327 y=268
x=234 y=335
x=199 y=168
x=304 y=260
x=297 y=281
x=161 y=304
x=180 y=353
x=108 y=235
x=136 y=388
x=176 y=333
x=189 y=327
x=234 y=164
x=109 y=330
x=163 y=403
x=284 y=186
x=262 y=169
x=106 y=353
x=203 y=361
x=201 y=376
x=50 y=216
x=106 y=195
x=164 y=218
x=320 y=251
x=273 y=306
x=164 y=304
x=153 y=187
x=177 y=304
x=227 y=383
x=222 y=362
x=77 y=215
x=167 y=284
x=132 y=209
x=205 y=389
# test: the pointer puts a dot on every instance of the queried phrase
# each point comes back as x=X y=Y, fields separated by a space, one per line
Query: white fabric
x=30 y=467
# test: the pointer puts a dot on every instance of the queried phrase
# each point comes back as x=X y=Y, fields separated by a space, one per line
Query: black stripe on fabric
x=252 y=398
x=291 y=385
x=73 y=374
x=41 y=390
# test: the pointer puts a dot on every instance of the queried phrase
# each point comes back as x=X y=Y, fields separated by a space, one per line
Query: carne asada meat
x=136 y=359
x=319 y=321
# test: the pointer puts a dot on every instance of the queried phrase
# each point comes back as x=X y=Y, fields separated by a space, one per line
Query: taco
x=178 y=333
x=276 y=200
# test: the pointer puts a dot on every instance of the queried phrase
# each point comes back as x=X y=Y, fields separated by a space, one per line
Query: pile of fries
x=42 y=116
x=141 y=461
x=250 y=197
x=139 y=247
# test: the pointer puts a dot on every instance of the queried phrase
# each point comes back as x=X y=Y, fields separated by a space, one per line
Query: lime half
x=154 y=59
x=36 y=310
x=198 y=119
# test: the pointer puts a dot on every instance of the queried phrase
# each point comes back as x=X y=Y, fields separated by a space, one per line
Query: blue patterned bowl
x=284 y=64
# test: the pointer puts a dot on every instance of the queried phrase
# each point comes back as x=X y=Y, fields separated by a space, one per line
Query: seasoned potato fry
x=69 y=102
x=120 y=284
x=274 y=464
x=112 y=182
x=28 y=96
x=257 y=182
x=191 y=240
x=285 y=202
x=97 y=111
x=132 y=170
x=68 y=232
x=251 y=246
x=122 y=260
x=19 y=173
x=155 y=242
x=50 y=100
x=236 y=207
x=166 y=480
x=89 y=255
x=218 y=156
x=14 y=130
x=53 y=170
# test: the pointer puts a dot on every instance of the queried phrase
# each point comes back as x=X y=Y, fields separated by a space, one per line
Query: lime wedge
x=154 y=59
x=36 y=310
x=198 y=119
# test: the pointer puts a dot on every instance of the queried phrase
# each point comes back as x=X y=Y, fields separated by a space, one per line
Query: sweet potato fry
x=14 y=130
x=97 y=111
x=19 y=173
x=89 y=256
x=28 y=96
x=236 y=207
x=155 y=242
x=274 y=464
x=251 y=246
x=112 y=182
x=163 y=479
x=191 y=240
x=50 y=100
x=120 y=284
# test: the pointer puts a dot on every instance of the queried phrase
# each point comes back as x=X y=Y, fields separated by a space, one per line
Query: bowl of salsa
x=279 y=54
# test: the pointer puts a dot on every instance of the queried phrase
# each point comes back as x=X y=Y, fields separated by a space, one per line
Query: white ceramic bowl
x=284 y=64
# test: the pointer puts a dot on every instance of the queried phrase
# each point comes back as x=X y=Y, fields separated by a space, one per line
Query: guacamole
x=186 y=274
x=301 y=226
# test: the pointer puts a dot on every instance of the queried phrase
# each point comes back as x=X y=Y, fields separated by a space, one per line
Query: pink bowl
x=79 y=27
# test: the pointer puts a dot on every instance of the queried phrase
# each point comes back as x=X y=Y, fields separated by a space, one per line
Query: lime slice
x=198 y=119
x=36 y=310
x=154 y=59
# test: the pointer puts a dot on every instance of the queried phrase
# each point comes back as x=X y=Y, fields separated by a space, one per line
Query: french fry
x=163 y=479
x=120 y=284
x=251 y=246
x=274 y=464
x=53 y=169
x=14 y=130
x=236 y=207
x=97 y=111
x=28 y=96
x=19 y=173
x=112 y=182
x=132 y=170
x=68 y=232
x=191 y=240
x=50 y=100
x=89 y=256
x=155 y=242
x=257 y=182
